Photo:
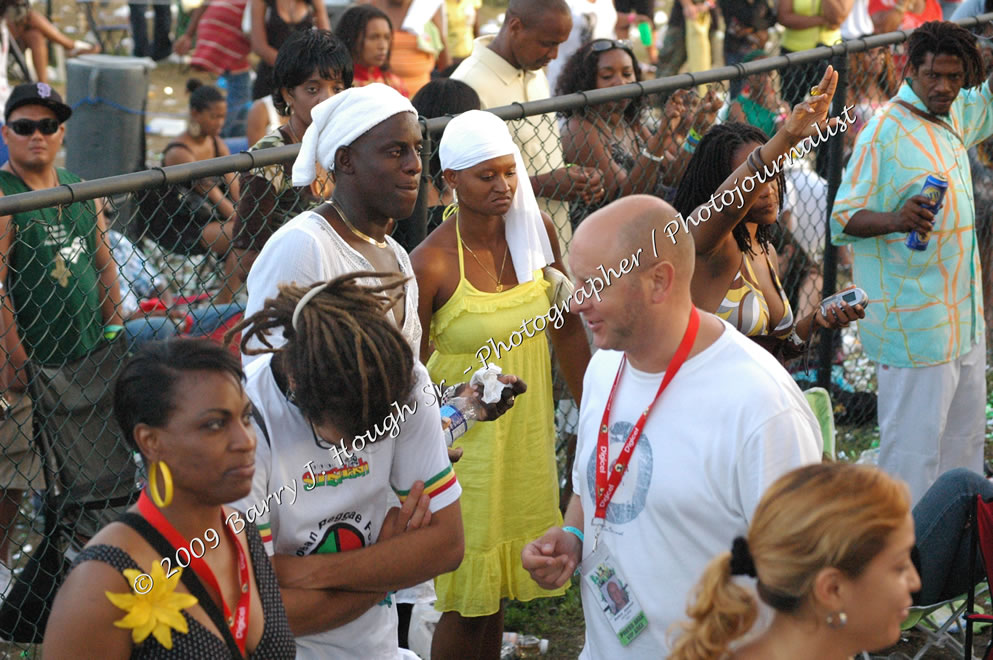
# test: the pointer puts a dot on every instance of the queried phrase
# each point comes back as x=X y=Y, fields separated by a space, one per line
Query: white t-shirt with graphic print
x=730 y=423
x=340 y=507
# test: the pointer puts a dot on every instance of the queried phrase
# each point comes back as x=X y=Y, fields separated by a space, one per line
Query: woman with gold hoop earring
x=312 y=66
x=180 y=574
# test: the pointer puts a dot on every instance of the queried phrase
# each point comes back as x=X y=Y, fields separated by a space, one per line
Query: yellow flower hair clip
x=153 y=607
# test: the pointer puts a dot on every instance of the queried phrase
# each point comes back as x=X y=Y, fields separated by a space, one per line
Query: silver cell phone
x=850 y=297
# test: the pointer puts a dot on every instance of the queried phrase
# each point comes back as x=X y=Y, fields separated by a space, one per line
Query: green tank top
x=758 y=116
x=53 y=277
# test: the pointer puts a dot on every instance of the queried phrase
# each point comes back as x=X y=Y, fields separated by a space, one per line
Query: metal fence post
x=836 y=155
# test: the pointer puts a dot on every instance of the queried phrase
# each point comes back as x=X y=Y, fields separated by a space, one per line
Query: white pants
x=932 y=419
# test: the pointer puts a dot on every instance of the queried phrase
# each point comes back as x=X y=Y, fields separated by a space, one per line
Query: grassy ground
x=559 y=620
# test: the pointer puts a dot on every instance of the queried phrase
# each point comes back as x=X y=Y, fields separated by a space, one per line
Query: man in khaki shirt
x=506 y=69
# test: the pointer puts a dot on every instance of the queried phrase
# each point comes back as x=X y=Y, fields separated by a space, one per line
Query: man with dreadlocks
x=345 y=371
x=924 y=327
x=370 y=139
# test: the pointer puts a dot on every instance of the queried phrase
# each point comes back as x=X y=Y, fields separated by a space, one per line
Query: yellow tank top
x=810 y=37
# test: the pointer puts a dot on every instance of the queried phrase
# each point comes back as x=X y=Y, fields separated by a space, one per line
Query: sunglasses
x=26 y=127
x=601 y=45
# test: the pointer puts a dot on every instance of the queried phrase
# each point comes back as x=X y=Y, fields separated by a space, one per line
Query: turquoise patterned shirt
x=925 y=308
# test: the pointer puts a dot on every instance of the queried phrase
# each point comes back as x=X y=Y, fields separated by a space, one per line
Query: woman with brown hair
x=833 y=549
x=830 y=546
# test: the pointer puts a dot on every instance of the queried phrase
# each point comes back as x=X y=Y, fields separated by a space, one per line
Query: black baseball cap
x=37 y=94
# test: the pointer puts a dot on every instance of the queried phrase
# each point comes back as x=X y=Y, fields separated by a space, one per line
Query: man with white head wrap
x=471 y=299
x=370 y=139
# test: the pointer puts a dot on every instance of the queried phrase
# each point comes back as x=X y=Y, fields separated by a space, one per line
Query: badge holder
x=616 y=600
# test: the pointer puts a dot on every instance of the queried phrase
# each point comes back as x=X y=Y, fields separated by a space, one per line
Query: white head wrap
x=340 y=121
x=477 y=136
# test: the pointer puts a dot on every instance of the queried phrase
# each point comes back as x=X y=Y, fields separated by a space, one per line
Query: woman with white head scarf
x=488 y=277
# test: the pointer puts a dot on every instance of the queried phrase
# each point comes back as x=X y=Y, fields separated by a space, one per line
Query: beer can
x=934 y=189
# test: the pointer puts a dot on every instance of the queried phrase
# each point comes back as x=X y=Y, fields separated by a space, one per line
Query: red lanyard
x=239 y=623
x=605 y=488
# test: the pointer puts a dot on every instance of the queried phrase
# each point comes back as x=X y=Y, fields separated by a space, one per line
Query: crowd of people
x=312 y=455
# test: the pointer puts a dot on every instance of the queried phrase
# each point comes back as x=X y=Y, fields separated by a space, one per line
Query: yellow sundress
x=510 y=492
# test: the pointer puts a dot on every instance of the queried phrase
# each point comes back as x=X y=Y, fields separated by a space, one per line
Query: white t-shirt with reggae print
x=340 y=505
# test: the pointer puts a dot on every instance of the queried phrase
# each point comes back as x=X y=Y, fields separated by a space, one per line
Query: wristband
x=575 y=532
x=110 y=332
x=650 y=156
x=689 y=147
x=694 y=137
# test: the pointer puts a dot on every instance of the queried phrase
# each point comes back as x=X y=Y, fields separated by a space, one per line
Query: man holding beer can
x=906 y=207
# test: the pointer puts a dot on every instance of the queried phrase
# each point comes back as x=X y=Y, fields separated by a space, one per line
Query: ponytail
x=723 y=612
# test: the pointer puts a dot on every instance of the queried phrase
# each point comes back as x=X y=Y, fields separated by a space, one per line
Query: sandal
x=83 y=48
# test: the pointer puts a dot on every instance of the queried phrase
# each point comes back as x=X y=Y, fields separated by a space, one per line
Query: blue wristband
x=576 y=532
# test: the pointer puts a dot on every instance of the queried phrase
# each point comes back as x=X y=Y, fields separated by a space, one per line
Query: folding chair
x=820 y=403
x=982 y=537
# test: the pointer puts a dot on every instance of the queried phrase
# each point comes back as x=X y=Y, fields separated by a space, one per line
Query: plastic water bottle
x=525 y=646
x=458 y=415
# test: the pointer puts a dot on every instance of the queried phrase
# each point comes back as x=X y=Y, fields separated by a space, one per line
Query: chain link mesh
x=180 y=258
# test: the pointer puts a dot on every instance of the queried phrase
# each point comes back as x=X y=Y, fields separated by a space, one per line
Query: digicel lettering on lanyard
x=605 y=488
x=238 y=623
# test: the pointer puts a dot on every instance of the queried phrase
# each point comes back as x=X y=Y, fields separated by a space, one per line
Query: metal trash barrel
x=106 y=134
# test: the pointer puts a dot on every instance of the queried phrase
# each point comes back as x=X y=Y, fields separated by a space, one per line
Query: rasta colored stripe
x=436 y=485
x=266 y=533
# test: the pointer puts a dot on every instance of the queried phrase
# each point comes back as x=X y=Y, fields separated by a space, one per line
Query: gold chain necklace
x=351 y=227
x=499 y=283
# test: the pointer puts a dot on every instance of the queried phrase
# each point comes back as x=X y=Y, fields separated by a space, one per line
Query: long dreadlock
x=711 y=165
x=348 y=362
x=941 y=38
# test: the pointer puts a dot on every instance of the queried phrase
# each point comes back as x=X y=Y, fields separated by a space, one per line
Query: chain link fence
x=179 y=242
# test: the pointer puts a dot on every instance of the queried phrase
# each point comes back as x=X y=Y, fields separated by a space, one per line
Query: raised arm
x=713 y=221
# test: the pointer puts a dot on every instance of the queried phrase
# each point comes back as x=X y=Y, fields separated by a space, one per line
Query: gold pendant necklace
x=498 y=280
x=351 y=227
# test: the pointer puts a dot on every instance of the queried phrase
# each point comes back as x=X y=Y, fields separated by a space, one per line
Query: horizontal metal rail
x=126 y=183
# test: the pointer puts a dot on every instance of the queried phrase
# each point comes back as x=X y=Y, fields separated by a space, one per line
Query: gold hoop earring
x=153 y=486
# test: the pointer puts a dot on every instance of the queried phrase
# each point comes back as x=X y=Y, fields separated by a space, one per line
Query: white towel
x=419 y=14
x=340 y=121
x=477 y=136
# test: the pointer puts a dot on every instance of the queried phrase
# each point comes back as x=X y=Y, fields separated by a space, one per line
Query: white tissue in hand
x=492 y=387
